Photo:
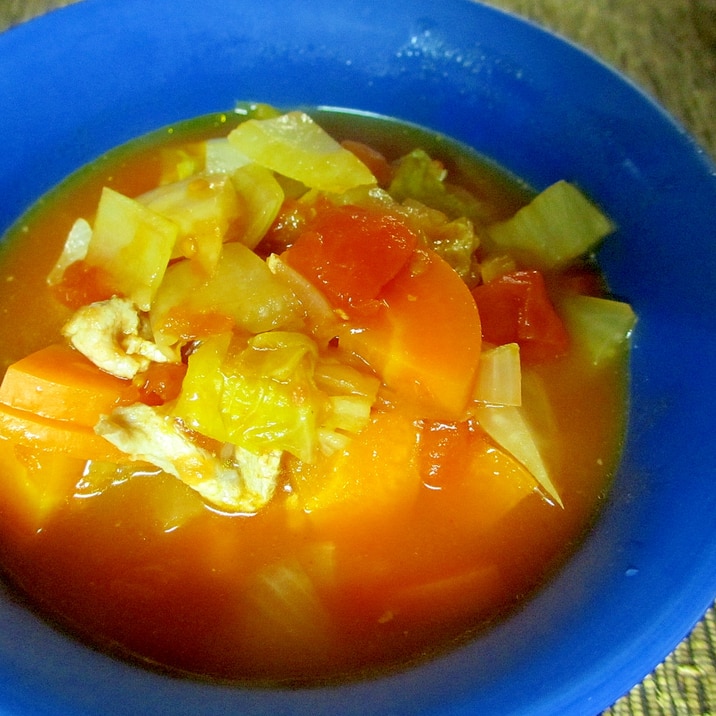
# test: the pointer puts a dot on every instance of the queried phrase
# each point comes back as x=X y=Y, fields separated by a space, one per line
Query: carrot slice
x=35 y=484
x=32 y=430
x=371 y=482
x=424 y=338
x=59 y=383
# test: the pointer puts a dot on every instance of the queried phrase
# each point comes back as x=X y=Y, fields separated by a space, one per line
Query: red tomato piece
x=583 y=279
x=161 y=383
x=82 y=284
x=516 y=308
x=350 y=253
x=372 y=158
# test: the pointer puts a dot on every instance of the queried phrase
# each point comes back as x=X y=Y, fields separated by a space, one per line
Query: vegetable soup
x=298 y=397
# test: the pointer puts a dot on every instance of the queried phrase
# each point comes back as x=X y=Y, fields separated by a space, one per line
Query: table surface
x=668 y=47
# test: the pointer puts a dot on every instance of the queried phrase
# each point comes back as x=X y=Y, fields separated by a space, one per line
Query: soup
x=323 y=409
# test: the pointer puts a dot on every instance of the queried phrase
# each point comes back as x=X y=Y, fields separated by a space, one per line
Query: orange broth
x=145 y=570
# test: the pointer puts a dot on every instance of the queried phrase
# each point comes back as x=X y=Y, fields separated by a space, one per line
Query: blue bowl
x=82 y=80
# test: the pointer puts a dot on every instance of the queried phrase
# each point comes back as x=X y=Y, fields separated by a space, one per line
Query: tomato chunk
x=372 y=158
x=516 y=308
x=82 y=284
x=350 y=253
x=161 y=383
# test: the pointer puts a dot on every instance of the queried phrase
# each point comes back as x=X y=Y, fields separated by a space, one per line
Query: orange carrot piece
x=372 y=481
x=32 y=430
x=59 y=383
x=424 y=338
x=35 y=484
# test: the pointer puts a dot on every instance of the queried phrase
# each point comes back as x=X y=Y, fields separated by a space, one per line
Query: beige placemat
x=668 y=47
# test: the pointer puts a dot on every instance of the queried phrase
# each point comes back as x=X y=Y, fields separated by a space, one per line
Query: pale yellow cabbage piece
x=132 y=245
x=285 y=616
x=203 y=207
x=509 y=428
x=557 y=226
x=295 y=146
x=222 y=157
x=242 y=288
x=260 y=197
x=600 y=327
x=499 y=378
x=75 y=249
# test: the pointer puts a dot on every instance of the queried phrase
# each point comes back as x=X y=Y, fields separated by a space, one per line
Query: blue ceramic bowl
x=82 y=80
